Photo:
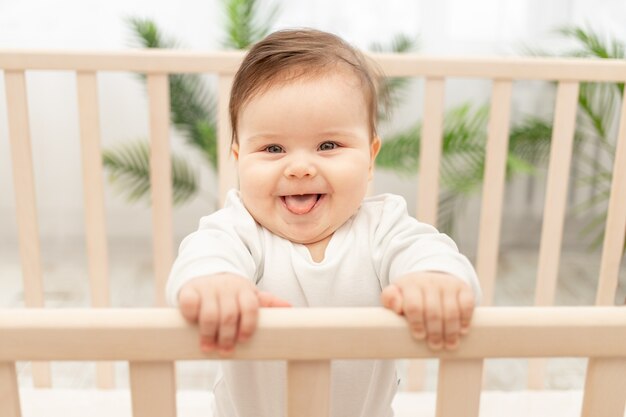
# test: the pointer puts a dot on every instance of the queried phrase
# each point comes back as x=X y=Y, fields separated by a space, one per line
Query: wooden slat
x=9 y=394
x=161 y=182
x=153 y=389
x=226 y=164
x=93 y=196
x=605 y=388
x=493 y=188
x=25 y=202
x=616 y=222
x=459 y=387
x=430 y=151
x=416 y=375
x=308 y=389
x=24 y=185
x=308 y=334
x=428 y=187
x=554 y=208
x=93 y=189
x=556 y=192
x=393 y=65
x=536 y=373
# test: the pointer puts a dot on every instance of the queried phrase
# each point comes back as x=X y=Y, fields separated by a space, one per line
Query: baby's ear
x=235 y=150
x=374 y=149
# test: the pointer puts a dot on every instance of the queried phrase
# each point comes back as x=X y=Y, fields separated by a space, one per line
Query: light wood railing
x=152 y=339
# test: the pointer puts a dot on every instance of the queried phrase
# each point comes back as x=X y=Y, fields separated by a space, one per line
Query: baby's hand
x=226 y=308
x=437 y=306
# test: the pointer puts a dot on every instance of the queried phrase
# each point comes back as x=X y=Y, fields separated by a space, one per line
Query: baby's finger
x=451 y=319
x=433 y=316
x=267 y=299
x=228 y=322
x=466 y=306
x=391 y=298
x=413 y=308
x=249 y=310
x=208 y=320
x=189 y=303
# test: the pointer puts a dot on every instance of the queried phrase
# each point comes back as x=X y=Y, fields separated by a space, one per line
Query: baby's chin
x=302 y=233
x=303 y=238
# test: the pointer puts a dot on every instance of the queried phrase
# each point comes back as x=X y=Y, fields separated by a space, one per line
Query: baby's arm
x=429 y=281
x=438 y=306
x=212 y=281
x=225 y=306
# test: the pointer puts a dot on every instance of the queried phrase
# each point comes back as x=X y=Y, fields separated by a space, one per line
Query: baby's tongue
x=300 y=204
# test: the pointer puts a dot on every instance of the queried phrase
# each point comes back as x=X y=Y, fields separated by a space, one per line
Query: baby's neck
x=318 y=249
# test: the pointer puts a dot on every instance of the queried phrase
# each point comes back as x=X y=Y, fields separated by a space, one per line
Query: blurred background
x=590 y=28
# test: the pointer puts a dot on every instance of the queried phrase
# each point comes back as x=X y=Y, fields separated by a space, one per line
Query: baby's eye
x=274 y=149
x=328 y=146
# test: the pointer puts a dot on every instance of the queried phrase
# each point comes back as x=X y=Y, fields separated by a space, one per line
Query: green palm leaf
x=400 y=153
x=392 y=90
x=462 y=158
x=464 y=136
x=128 y=168
x=599 y=104
x=192 y=106
x=530 y=140
x=591 y=44
x=146 y=34
x=463 y=161
x=245 y=24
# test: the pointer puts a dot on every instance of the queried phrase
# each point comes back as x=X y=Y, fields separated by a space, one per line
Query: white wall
x=445 y=27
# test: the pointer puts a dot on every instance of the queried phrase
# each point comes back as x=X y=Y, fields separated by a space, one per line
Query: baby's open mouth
x=302 y=203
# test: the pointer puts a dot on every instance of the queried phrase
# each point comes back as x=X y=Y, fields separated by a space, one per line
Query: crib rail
x=152 y=339
x=308 y=334
x=394 y=65
x=158 y=64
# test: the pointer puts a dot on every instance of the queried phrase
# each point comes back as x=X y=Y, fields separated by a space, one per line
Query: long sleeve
x=401 y=244
x=226 y=241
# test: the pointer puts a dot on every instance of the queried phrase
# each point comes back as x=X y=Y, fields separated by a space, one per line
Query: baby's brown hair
x=287 y=55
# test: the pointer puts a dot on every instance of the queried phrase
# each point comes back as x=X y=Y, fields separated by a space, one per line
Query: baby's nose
x=300 y=166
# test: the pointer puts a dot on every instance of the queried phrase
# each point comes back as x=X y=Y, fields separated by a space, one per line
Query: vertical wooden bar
x=430 y=151
x=9 y=394
x=554 y=209
x=493 y=188
x=161 y=182
x=612 y=251
x=416 y=375
x=93 y=196
x=93 y=188
x=308 y=389
x=25 y=202
x=428 y=189
x=226 y=164
x=556 y=192
x=153 y=389
x=459 y=387
x=605 y=388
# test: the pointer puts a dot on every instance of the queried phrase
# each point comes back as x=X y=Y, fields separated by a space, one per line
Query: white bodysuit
x=377 y=245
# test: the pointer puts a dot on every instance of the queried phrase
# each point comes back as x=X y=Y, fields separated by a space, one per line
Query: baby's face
x=305 y=156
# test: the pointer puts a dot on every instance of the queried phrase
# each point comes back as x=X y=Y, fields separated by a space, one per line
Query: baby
x=299 y=231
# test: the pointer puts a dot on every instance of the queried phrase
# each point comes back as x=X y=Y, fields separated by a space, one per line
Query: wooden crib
x=151 y=340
